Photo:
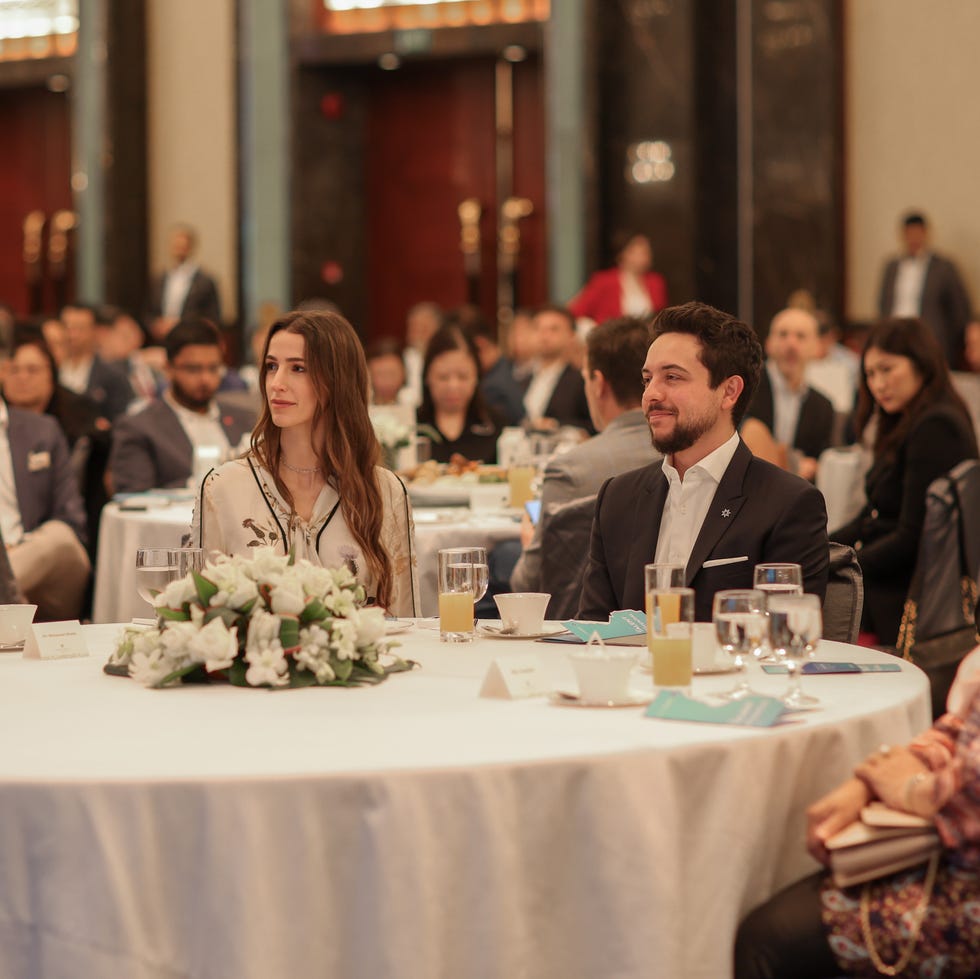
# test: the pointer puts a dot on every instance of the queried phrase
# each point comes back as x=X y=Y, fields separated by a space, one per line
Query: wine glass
x=777 y=579
x=155 y=568
x=739 y=616
x=795 y=627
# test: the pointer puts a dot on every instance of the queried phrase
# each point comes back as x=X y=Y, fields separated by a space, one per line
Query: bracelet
x=914 y=781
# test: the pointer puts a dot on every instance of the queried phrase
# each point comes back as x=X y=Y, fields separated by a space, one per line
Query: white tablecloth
x=123 y=531
x=408 y=830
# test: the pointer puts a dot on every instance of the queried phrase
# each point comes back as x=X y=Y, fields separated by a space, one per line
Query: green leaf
x=174 y=614
x=289 y=633
x=314 y=611
x=343 y=668
x=206 y=590
x=184 y=672
x=227 y=615
x=237 y=671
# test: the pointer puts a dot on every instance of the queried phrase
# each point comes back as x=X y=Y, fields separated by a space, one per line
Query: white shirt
x=541 y=388
x=786 y=404
x=176 y=285
x=688 y=502
x=414 y=361
x=10 y=522
x=75 y=375
x=635 y=300
x=910 y=277
x=202 y=428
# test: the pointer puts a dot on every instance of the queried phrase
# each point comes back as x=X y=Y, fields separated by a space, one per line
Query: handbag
x=939 y=618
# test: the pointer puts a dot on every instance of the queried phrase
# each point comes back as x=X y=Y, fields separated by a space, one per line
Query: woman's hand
x=832 y=813
x=888 y=775
x=527 y=531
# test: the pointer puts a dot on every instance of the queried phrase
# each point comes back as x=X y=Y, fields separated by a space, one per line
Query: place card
x=55 y=640
x=752 y=711
x=817 y=667
x=514 y=677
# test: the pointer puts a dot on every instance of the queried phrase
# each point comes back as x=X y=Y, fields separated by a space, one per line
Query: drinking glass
x=155 y=568
x=187 y=559
x=795 y=627
x=462 y=574
x=739 y=616
x=658 y=576
x=670 y=614
x=777 y=579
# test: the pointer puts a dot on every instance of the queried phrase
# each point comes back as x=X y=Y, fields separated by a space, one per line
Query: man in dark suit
x=184 y=290
x=922 y=283
x=556 y=390
x=709 y=505
x=799 y=417
x=83 y=371
x=155 y=447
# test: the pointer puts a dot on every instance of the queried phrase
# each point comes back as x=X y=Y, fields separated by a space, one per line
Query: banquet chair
x=844 y=600
x=565 y=534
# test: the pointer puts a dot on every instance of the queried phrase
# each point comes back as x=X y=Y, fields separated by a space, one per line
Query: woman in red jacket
x=629 y=289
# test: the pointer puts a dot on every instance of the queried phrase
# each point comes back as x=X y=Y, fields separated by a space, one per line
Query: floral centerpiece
x=393 y=435
x=262 y=621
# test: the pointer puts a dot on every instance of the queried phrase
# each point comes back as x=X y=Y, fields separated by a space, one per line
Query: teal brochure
x=627 y=624
x=816 y=667
x=751 y=711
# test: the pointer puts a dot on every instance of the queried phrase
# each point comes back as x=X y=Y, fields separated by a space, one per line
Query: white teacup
x=522 y=613
x=15 y=623
x=489 y=496
x=603 y=678
x=704 y=646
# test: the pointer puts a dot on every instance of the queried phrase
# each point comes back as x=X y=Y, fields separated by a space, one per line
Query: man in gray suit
x=155 y=447
x=42 y=517
x=614 y=353
x=922 y=283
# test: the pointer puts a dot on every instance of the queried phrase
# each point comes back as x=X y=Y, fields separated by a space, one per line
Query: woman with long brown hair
x=311 y=482
x=919 y=429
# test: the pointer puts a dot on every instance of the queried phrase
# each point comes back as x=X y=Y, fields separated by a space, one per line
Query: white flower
x=390 y=432
x=314 y=580
x=235 y=588
x=268 y=565
x=176 y=638
x=149 y=668
x=287 y=597
x=343 y=639
x=215 y=645
x=370 y=626
x=176 y=593
x=264 y=652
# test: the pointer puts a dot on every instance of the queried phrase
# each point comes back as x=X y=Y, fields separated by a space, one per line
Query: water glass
x=777 y=579
x=659 y=576
x=670 y=615
x=462 y=582
x=739 y=616
x=155 y=568
x=795 y=627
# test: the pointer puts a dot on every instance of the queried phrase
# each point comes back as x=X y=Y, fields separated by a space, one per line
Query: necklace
x=299 y=469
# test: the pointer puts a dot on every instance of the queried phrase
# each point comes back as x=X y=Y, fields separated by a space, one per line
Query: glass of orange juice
x=670 y=613
x=458 y=585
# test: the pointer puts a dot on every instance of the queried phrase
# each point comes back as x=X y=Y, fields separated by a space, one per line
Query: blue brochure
x=627 y=626
x=752 y=711
x=815 y=667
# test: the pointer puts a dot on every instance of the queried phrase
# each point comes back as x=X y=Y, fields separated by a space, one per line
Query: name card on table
x=55 y=640
x=513 y=677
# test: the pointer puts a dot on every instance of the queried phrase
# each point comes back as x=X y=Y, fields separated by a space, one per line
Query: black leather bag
x=939 y=620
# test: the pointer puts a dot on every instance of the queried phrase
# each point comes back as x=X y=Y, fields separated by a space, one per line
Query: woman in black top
x=452 y=404
x=921 y=430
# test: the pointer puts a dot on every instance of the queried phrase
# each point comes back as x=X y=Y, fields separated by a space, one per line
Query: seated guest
x=799 y=417
x=386 y=371
x=501 y=390
x=836 y=371
x=709 y=505
x=613 y=351
x=126 y=347
x=921 y=430
x=421 y=323
x=155 y=447
x=452 y=405
x=84 y=371
x=815 y=930
x=629 y=289
x=522 y=346
x=312 y=483
x=42 y=520
x=556 y=394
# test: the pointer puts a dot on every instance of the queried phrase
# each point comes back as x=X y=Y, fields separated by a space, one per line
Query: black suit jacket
x=109 y=388
x=945 y=304
x=201 y=300
x=815 y=426
x=759 y=512
x=568 y=403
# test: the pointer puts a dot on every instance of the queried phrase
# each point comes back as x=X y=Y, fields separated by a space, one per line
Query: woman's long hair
x=446 y=338
x=343 y=436
x=906 y=337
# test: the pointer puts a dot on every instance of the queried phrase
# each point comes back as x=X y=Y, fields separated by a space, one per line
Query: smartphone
x=533 y=508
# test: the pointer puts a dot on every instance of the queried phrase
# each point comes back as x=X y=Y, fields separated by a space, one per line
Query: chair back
x=565 y=534
x=844 y=600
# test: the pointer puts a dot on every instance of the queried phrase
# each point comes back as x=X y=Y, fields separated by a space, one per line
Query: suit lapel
x=651 y=502
x=727 y=501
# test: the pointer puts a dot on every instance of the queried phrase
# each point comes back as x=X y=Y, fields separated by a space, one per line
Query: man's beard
x=684 y=435
x=183 y=397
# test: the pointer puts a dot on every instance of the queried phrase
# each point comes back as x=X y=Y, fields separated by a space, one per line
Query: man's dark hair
x=728 y=346
x=618 y=348
x=471 y=321
x=194 y=331
x=556 y=308
x=914 y=218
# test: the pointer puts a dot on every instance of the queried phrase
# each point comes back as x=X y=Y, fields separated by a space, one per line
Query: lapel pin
x=726 y=512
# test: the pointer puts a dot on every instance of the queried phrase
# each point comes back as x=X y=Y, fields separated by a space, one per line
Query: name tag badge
x=37 y=461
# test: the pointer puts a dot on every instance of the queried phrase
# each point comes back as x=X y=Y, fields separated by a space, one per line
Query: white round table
x=411 y=829
x=122 y=531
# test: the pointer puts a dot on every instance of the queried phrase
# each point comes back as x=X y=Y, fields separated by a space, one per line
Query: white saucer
x=493 y=632
x=395 y=626
x=566 y=698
